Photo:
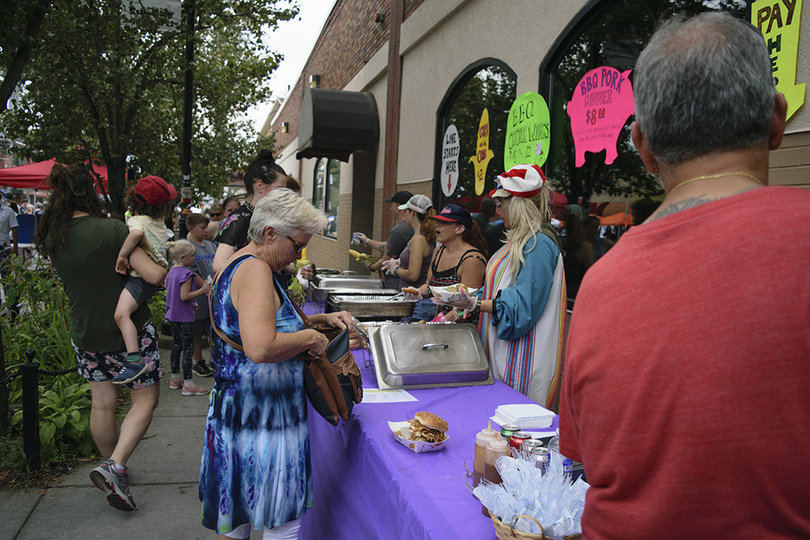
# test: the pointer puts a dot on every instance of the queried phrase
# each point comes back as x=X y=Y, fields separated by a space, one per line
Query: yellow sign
x=779 y=22
x=482 y=153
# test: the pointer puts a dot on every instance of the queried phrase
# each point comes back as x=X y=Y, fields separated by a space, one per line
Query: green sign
x=528 y=132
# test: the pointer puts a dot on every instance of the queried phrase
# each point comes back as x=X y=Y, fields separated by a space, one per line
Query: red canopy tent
x=34 y=175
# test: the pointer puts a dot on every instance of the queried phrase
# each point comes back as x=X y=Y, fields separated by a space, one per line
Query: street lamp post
x=185 y=165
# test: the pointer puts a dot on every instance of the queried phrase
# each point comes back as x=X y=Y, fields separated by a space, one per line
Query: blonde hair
x=526 y=217
x=179 y=248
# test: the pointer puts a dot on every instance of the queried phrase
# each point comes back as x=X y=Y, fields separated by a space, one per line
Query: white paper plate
x=415 y=446
x=444 y=294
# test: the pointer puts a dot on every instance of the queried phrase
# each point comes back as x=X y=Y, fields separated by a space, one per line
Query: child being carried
x=150 y=201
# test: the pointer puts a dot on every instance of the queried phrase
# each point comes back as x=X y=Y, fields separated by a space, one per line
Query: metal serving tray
x=348 y=282
x=429 y=356
x=372 y=305
x=321 y=286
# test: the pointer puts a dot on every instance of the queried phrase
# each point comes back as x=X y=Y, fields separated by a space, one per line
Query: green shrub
x=157 y=304
x=35 y=317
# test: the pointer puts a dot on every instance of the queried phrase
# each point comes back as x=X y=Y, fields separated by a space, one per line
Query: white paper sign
x=373 y=395
x=450 y=150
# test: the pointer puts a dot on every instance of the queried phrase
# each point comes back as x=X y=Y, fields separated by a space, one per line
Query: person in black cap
x=398 y=238
x=461 y=258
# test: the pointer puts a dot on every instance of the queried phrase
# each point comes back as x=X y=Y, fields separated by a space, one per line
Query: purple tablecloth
x=368 y=486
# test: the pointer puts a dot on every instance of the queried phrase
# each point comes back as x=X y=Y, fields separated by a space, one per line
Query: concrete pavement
x=164 y=470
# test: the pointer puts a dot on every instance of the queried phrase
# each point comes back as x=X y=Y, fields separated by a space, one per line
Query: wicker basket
x=506 y=532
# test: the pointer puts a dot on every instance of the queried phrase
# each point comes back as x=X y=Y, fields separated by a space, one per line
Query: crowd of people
x=715 y=344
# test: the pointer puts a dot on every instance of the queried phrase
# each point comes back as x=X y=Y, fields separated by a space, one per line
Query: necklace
x=709 y=177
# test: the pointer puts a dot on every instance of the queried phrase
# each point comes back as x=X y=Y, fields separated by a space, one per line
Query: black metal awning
x=336 y=123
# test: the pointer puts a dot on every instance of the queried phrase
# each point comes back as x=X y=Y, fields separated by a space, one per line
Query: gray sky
x=294 y=39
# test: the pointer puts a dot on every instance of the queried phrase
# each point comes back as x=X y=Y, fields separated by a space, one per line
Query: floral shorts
x=97 y=367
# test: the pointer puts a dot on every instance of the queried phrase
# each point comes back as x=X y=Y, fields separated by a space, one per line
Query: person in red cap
x=150 y=201
x=522 y=301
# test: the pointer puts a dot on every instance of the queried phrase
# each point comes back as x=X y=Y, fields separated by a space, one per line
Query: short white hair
x=288 y=214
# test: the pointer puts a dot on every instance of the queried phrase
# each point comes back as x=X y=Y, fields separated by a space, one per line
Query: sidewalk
x=164 y=469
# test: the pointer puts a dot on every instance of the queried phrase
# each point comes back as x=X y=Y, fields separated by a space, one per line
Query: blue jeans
x=424 y=310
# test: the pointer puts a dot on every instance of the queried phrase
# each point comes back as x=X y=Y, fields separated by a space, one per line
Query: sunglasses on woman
x=298 y=246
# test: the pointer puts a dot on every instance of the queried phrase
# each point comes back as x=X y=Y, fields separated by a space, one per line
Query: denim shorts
x=140 y=289
x=98 y=367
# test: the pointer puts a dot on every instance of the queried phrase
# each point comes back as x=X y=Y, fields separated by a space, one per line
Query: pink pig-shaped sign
x=602 y=103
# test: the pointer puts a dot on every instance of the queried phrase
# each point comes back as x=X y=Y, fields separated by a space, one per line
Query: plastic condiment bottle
x=482 y=440
x=497 y=447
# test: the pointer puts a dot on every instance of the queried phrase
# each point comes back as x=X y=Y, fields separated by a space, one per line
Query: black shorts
x=140 y=289
x=202 y=327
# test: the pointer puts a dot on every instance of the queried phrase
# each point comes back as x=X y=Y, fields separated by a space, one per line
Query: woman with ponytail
x=83 y=246
x=414 y=262
x=261 y=177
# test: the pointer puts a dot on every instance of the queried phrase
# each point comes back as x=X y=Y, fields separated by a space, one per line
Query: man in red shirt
x=686 y=391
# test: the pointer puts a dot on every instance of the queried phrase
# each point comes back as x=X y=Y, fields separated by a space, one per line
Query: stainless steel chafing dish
x=428 y=356
x=322 y=286
x=347 y=282
x=380 y=304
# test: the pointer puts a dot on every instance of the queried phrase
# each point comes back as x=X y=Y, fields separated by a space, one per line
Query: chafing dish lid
x=410 y=349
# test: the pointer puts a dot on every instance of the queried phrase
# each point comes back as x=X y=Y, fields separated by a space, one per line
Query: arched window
x=326 y=192
x=606 y=33
x=489 y=85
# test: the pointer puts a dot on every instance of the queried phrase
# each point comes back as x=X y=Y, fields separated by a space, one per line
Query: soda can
x=517 y=439
x=508 y=430
x=530 y=445
x=539 y=456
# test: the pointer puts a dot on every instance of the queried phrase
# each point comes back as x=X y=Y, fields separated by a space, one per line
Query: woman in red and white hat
x=523 y=298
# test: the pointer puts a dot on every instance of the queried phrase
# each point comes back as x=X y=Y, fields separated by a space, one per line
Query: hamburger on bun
x=428 y=427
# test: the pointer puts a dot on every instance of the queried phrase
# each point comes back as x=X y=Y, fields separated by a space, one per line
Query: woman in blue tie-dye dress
x=255 y=466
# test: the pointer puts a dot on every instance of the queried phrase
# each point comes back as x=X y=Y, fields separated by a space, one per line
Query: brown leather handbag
x=333 y=382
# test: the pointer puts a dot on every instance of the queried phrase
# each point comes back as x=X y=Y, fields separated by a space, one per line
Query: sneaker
x=176 y=383
x=201 y=369
x=191 y=389
x=114 y=484
x=130 y=372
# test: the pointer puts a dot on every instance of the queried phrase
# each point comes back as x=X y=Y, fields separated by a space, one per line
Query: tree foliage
x=107 y=82
x=20 y=21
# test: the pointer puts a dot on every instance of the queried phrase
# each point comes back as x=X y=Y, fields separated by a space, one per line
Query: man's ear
x=778 y=122
x=644 y=152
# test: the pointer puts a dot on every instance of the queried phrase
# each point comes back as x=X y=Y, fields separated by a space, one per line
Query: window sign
x=482 y=153
x=450 y=149
x=779 y=22
x=486 y=84
x=601 y=104
x=528 y=132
